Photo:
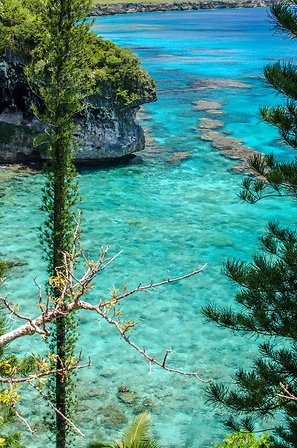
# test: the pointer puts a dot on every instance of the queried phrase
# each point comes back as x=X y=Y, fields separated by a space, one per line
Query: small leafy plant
x=245 y=440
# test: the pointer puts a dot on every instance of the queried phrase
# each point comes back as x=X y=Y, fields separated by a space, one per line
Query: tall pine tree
x=62 y=75
x=268 y=285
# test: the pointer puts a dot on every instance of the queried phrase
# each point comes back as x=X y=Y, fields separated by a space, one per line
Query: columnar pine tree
x=62 y=75
x=268 y=285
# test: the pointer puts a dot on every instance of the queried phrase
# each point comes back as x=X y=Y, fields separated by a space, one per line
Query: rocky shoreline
x=110 y=133
x=131 y=8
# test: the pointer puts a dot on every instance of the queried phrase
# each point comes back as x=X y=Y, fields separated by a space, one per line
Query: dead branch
x=71 y=291
x=151 y=359
x=45 y=397
x=14 y=312
x=71 y=295
x=287 y=394
x=22 y=419
x=76 y=291
x=152 y=285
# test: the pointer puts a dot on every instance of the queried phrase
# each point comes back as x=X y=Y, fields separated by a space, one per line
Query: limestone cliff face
x=130 y=8
x=108 y=133
x=107 y=130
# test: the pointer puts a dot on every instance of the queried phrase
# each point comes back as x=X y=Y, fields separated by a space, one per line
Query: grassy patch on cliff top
x=112 y=2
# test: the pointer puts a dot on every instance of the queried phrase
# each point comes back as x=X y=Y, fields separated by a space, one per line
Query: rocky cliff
x=129 y=8
x=107 y=127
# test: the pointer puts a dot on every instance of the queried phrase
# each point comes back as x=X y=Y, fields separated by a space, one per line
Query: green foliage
x=117 y=71
x=62 y=73
x=121 y=76
x=67 y=63
x=19 y=22
x=278 y=179
x=4 y=266
x=268 y=285
x=137 y=435
x=245 y=440
x=268 y=288
x=9 y=365
x=268 y=299
x=10 y=441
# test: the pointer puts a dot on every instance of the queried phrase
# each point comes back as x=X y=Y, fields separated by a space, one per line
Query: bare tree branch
x=72 y=288
x=45 y=397
x=287 y=394
x=151 y=359
x=22 y=419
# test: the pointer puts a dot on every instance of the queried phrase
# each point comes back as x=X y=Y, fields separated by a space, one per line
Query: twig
x=151 y=359
x=76 y=429
x=10 y=380
x=152 y=285
x=165 y=357
x=288 y=395
x=23 y=420
x=69 y=300
x=39 y=292
x=20 y=316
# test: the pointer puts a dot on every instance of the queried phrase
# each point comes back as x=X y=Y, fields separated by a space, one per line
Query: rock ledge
x=131 y=8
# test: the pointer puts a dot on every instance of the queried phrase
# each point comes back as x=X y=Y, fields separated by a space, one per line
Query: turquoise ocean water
x=164 y=216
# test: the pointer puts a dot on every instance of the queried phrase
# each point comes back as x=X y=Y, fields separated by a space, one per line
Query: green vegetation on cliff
x=118 y=71
x=169 y=2
x=19 y=23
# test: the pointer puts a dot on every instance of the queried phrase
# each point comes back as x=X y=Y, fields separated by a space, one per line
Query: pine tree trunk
x=63 y=80
x=60 y=385
x=59 y=166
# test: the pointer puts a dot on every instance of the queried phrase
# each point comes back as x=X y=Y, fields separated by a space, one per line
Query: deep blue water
x=165 y=217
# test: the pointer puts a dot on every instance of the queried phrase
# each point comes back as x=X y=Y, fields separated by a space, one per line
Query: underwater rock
x=152 y=149
x=126 y=395
x=208 y=123
x=206 y=105
x=209 y=136
x=232 y=148
x=7 y=174
x=123 y=389
x=145 y=405
x=94 y=392
x=215 y=112
x=243 y=168
x=143 y=114
x=112 y=416
x=178 y=157
x=23 y=169
x=219 y=83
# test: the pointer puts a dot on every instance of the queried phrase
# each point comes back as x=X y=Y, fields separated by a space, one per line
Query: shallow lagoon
x=165 y=216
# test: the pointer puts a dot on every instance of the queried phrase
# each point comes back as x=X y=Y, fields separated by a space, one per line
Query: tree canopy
x=118 y=73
